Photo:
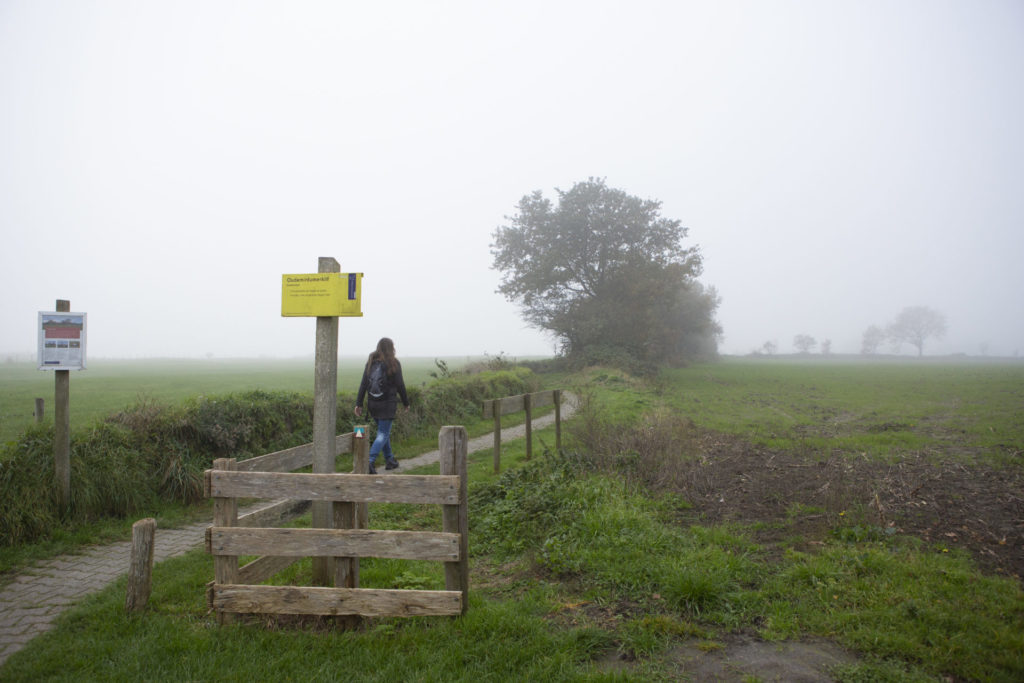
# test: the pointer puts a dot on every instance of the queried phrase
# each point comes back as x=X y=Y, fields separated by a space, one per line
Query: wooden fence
x=234 y=589
x=497 y=407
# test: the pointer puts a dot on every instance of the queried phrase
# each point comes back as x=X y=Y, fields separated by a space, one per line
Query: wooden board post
x=39 y=410
x=453 y=443
x=496 y=407
x=325 y=420
x=62 y=429
x=140 y=569
x=225 y=513
x=558 y=420
x=351 y=515
x=361 y=465
x=528 y=406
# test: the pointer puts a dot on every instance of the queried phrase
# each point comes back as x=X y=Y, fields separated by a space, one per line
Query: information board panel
x=322 y=295
x=61 y=340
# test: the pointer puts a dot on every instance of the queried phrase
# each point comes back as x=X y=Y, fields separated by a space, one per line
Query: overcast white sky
x=162 y=164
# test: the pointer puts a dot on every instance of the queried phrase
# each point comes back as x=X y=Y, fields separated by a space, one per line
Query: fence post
x=40 y=407
x=496 y=408
x=325 y=420
x=361 y=465
x=452 y=443
x=140 y=570
x=62 y=428
x=558 y=419
x=348 y=515
x=225 y=513
x=529 y=425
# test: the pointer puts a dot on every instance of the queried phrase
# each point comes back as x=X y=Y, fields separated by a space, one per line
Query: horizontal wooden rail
x=400 y=545
x=281 y=512
x=355 y=488
x=314 y=600
x=515 y=404
x=291 y=459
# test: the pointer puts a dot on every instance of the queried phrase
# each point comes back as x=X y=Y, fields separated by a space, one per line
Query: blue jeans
x=382 y=442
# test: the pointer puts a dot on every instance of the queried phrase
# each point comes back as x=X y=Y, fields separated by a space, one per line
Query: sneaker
x=391 y=465
x=373 y=470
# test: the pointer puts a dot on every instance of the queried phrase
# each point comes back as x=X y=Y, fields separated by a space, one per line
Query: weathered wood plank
x=356 y=488
x=281 y=512
x=262 y=568
x=509 y=404
x=453 y=444
x=542 y=398
x=280 y=461
x=364 y=602
x=225 y=513
x=409 y=545
x=291 y=459
x=515 y=404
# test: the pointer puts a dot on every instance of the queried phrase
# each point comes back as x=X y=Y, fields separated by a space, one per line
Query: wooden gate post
x=62 y=428
x=40 y=408
x=325 y=420
x=349 y=515
x=452 y=443
x=225 y=513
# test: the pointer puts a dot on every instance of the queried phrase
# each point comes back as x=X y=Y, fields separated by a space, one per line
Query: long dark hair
x=385 y=351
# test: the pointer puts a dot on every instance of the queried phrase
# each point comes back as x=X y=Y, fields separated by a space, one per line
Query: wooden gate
x=235 y=591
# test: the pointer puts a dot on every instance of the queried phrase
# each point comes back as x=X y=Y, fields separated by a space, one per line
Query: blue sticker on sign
x=351 y=286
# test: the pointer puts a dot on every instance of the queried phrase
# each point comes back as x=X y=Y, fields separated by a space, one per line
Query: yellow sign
x=322 y=295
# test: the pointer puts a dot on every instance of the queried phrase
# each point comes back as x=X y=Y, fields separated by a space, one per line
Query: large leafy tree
x=602 y=268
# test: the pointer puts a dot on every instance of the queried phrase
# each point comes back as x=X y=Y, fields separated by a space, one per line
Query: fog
x=162 y=164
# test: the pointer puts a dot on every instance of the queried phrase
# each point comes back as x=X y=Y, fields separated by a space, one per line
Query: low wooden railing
x=234 y=590
x=513 y=404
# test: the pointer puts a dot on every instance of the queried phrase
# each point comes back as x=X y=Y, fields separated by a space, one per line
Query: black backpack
x=378 y=379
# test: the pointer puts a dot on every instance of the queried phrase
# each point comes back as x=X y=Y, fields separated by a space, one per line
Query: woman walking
x=382 y=385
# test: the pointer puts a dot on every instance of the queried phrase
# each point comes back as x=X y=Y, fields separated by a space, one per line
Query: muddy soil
x=793 y=499
x=977 y=508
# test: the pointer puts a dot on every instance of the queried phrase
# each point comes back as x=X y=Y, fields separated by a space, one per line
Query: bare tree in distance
x=826 y=347
x=874 y=337
x=804 y=343
x=769 y=348
x=915 y=325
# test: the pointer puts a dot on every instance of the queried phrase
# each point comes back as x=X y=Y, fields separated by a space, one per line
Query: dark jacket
x=385 y=407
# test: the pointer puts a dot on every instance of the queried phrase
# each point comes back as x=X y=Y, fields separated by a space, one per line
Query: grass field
x=860 y=406
x=868 y=512
x=110 y=385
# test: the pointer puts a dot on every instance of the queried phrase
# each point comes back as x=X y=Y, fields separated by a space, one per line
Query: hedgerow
x=150 y=452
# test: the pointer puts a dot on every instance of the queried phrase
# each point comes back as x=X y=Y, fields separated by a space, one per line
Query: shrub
x=146 y=452
x=151 y=451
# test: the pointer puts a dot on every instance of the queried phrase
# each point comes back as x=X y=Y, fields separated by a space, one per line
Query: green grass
x=108 y=386
x=878 y=408
x=575 y=561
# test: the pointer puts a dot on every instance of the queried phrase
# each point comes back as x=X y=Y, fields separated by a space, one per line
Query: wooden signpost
x=61 y=349
x=325 y=295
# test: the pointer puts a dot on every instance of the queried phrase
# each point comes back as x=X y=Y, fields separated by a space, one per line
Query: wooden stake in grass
x=140 y=572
